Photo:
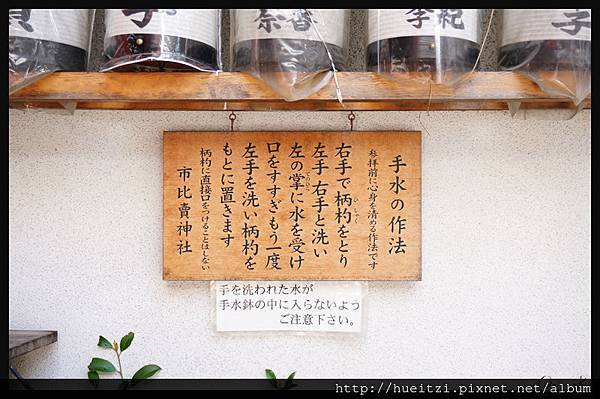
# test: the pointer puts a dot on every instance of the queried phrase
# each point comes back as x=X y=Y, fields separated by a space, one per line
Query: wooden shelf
x=21 y=342
x=361 y=91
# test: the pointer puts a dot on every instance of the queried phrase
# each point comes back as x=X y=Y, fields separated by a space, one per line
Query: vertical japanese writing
x=250 y=231
x=302 y=206
x=297 y=179
x=185 y=226
x=320 y=239
x=267 y=21
x=227 y=194
x=343 y=200
x=397 y=223
x=418 y=16
x=372 y=247
x=450 y=17
x=273 y=251
x=301 y=20
x=148 y=13
x=443 y=17
x=205 y=193
x=576 y=21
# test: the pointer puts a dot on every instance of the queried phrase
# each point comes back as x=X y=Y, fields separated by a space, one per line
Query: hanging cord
x=232 y=118
x=219 y=21
x=351 y=118
x=338 y=90
x=483 y=42
x=427 y=110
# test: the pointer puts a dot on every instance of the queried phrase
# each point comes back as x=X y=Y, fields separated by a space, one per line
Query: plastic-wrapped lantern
x=443 y=43
x=157 y=39
x=553 y=46
x=288 y=40
x=46 y=40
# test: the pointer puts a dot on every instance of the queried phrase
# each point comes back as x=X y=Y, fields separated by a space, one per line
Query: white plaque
x=317 y=306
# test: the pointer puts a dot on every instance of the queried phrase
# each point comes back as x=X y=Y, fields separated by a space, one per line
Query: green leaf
x=289 y=383
x=270 y=374
x=272 y=378
x=102 y=365
x=104 y=343
x=126 y=341
x=146 y=372
x=93 y=378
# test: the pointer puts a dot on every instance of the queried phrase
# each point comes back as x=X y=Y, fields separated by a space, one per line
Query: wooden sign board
x=292 y=206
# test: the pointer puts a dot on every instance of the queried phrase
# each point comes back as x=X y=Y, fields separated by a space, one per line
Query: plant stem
x=120 y=367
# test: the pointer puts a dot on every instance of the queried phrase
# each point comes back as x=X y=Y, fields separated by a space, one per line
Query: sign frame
x=182 y=149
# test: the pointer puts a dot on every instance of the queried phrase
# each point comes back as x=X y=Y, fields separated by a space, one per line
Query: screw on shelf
x=351 y=118
x=232 y=118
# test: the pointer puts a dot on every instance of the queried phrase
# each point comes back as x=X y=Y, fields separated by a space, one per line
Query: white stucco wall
x=506 y=252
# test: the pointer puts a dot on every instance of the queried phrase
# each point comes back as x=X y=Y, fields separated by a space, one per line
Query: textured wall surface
x=506 y=252
x=356 y=40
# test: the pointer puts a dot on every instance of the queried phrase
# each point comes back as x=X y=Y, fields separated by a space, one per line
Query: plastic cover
x=161 y=39
x=551 y=46
x=432 y=45
x=295 y=51
x=42 y=41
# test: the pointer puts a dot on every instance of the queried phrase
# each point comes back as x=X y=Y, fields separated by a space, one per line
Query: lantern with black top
x=442 y=44
x=551 y=46
x=290 y=48
x=47 y=40
x=162 y=39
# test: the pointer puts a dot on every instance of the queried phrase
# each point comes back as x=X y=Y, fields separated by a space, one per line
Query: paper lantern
x=46 y=40
x=551 y=46
x=289 y=39
x=443 y=43
x=157 y=39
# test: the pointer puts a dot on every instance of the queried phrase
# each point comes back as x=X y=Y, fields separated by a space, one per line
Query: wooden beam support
x=361 y=91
